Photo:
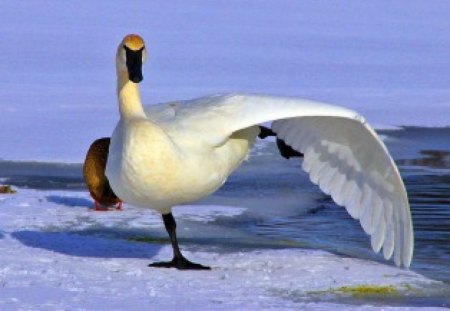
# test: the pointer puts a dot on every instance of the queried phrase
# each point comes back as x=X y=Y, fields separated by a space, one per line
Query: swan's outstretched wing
x=212 y=119
x=342 y=154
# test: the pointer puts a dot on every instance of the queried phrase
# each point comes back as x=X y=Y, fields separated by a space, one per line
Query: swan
x=94 y=176
x=179 y=152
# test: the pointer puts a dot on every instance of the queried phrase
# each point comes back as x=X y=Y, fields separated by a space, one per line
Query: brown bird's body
x=94 y=176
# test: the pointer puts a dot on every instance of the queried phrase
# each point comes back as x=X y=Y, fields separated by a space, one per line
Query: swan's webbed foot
x=180 y=263
x=265 y=132
x=119 y=206
x=101 y=208
x=286 y=151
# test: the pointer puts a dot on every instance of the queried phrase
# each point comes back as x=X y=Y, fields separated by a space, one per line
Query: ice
x=206 y=213
x=59 y=254
x=387 y=60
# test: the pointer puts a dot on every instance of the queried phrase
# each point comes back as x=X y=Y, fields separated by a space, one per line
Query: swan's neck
x=129 y=95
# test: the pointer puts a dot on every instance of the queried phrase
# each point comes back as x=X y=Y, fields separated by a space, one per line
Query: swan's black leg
x=178 y=261
x=286 y=151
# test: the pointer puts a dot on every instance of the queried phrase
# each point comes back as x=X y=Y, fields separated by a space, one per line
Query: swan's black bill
x=134 y=64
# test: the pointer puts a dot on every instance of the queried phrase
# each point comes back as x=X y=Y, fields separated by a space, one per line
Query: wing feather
x=377 y=238
x=342 y=154
x=389 y=238
x=348 y=161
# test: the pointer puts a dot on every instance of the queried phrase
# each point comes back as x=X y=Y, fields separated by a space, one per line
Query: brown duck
x=94 y=176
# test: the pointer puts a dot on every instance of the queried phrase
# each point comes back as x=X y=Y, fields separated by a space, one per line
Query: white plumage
x=182 y=151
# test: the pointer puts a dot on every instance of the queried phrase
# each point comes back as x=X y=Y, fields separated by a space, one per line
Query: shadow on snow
x=86 y=244
x=70 y=201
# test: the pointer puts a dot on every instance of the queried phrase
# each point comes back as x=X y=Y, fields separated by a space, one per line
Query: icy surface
x=56 y=253
x=388 y=60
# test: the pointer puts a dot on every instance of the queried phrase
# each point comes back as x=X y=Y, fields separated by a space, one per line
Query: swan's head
x=131 y=54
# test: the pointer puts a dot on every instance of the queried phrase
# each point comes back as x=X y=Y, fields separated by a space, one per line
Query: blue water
x=285 y=210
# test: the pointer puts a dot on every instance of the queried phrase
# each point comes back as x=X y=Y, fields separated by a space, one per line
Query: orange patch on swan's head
x=133 y=42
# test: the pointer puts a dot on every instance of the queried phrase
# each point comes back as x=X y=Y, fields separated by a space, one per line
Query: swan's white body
x=152 y=168
x=179 y=152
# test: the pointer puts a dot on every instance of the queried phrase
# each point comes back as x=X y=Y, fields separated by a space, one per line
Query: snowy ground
x=57 y=254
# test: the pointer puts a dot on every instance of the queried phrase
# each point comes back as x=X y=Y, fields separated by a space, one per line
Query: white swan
x=179 y=152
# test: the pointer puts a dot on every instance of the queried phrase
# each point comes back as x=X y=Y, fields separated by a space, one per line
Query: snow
x=58 y=75
x=58 y=254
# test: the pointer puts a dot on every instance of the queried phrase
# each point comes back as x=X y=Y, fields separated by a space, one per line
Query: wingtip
x=408 y=256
